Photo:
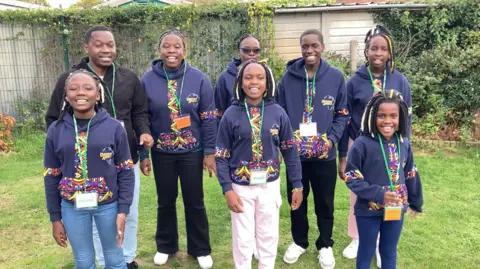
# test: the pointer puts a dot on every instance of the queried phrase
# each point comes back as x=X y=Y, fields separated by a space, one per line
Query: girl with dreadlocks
x=376 y=75
x=381 y=172
x=184 y=123
x=251 y=132
x=77 y=192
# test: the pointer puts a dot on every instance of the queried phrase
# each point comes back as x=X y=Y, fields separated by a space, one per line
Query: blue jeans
x=368 y=229
x=78 y=225
x=130 y=238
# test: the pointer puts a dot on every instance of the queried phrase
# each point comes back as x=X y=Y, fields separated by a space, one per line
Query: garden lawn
x=446 y=236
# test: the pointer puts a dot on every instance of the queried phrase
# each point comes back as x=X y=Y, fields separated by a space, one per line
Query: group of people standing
x=102 y=112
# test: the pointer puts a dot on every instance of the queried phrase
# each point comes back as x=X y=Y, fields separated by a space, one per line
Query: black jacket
x=130 y=101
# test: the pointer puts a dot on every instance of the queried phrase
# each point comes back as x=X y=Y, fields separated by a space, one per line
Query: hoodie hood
x=267 y=102
x=232 y=67
x=296 y=67
x=157 y=67
x=100 y=116
x=362 y=71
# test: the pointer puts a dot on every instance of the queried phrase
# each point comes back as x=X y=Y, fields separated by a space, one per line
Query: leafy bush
x=32 y=113
x=6 y=136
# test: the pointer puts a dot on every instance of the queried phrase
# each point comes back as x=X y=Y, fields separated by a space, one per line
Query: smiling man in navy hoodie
x=314 y=96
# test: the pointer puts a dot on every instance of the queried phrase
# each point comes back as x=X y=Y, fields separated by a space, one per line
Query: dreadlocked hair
x=380 y=30
x=245 y=36
x=172 y=32
x=65 y=105
x=270 y=87
x=369 y=118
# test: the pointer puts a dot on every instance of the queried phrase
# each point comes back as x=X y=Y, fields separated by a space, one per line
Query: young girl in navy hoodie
x=378 y=74
x=381 y=172
x=248 y=49
x=77 y=191
x=251 y=131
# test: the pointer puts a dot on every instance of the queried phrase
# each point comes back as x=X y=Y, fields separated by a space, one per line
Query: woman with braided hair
x=381 y=172
x=183 y=124
x=378 y=74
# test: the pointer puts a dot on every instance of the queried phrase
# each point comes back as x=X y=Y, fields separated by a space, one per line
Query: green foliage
x=87 y=3
x=439 y=52
x=37 y=2
x=32 y=113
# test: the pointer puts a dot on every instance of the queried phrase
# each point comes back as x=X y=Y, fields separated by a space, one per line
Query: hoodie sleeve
x=208 y=116
x=52 y=175
x=343 y=143
x=280 y=98
x=222 y=96
x=414 y=185
x=56 y=100
x=340 y=117
x=140 y=117
x=407 y=97
x=288 y=147
x=223 y=147
x=355 y=180
x=125 y=173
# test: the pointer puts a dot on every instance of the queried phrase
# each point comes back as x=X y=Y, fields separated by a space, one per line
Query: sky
x=64 y=3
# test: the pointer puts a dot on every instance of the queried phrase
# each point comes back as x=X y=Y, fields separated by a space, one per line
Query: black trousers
x=321 y=178
x=167 y=168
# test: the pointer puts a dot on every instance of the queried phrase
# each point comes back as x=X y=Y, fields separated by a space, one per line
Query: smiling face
x=378 y=53
x=254 y=81
x=172 y=51
x=82 y=93
x=312 y=49
x=388 y=116
x=101 y=49
x=249 y=49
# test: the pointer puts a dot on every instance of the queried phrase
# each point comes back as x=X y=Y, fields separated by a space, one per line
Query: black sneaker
x=132 y=265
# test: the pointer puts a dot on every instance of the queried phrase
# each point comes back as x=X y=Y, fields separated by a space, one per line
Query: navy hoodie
x=367 y=177
x=196 y=100
x=233 y=150
x=110 y=167
x=359 y=92
x=329 y=107
x=224 y=86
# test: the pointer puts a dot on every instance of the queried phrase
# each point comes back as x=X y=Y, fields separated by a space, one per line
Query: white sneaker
x=205 y=262
x=326 y=259
x=350 y=252
x=293 y=253
x=379 y=260
x=160 y=258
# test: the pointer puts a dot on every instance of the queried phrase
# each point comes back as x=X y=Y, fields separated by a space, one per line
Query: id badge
x=392 y=213
x=182 y=122
x=86 y=201
x=258 y=176
x=308 y=129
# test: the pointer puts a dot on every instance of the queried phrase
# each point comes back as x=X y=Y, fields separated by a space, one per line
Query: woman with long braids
x=378 y=74
x=385 y=188
x=183 y=124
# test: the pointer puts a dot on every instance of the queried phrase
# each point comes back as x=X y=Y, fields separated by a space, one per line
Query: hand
x=297 y=198
x=146 y=166
x=234 y=202
x=414 y=214
x=146 y=140
x=59 y=233
x=342 y=165
x=392 y=198
x=121 y=219
x=330 y=144
x=209 y=164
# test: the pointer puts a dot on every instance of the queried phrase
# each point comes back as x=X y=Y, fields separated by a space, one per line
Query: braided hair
x=270 y=87
x=172 y=32
x=380 y=30
x=65 y=105
x=245 y=36
x=369 y=118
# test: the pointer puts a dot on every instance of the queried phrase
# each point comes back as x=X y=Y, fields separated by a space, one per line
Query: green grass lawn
x=446 y=236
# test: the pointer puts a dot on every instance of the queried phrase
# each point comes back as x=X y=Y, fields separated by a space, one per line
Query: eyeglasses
x=248 y=51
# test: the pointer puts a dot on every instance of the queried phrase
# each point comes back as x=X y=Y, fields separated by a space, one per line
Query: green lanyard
x=309 y=101
x=173 y=91
x=257 y=138
x=399 y=161
x=77 y=146
x=384 y=79
x=110 y=94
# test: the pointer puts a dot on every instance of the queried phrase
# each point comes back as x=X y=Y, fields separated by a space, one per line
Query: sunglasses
x=248 y=51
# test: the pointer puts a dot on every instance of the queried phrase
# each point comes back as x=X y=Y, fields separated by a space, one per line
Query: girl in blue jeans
x=77 y=191
x=382 y=173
